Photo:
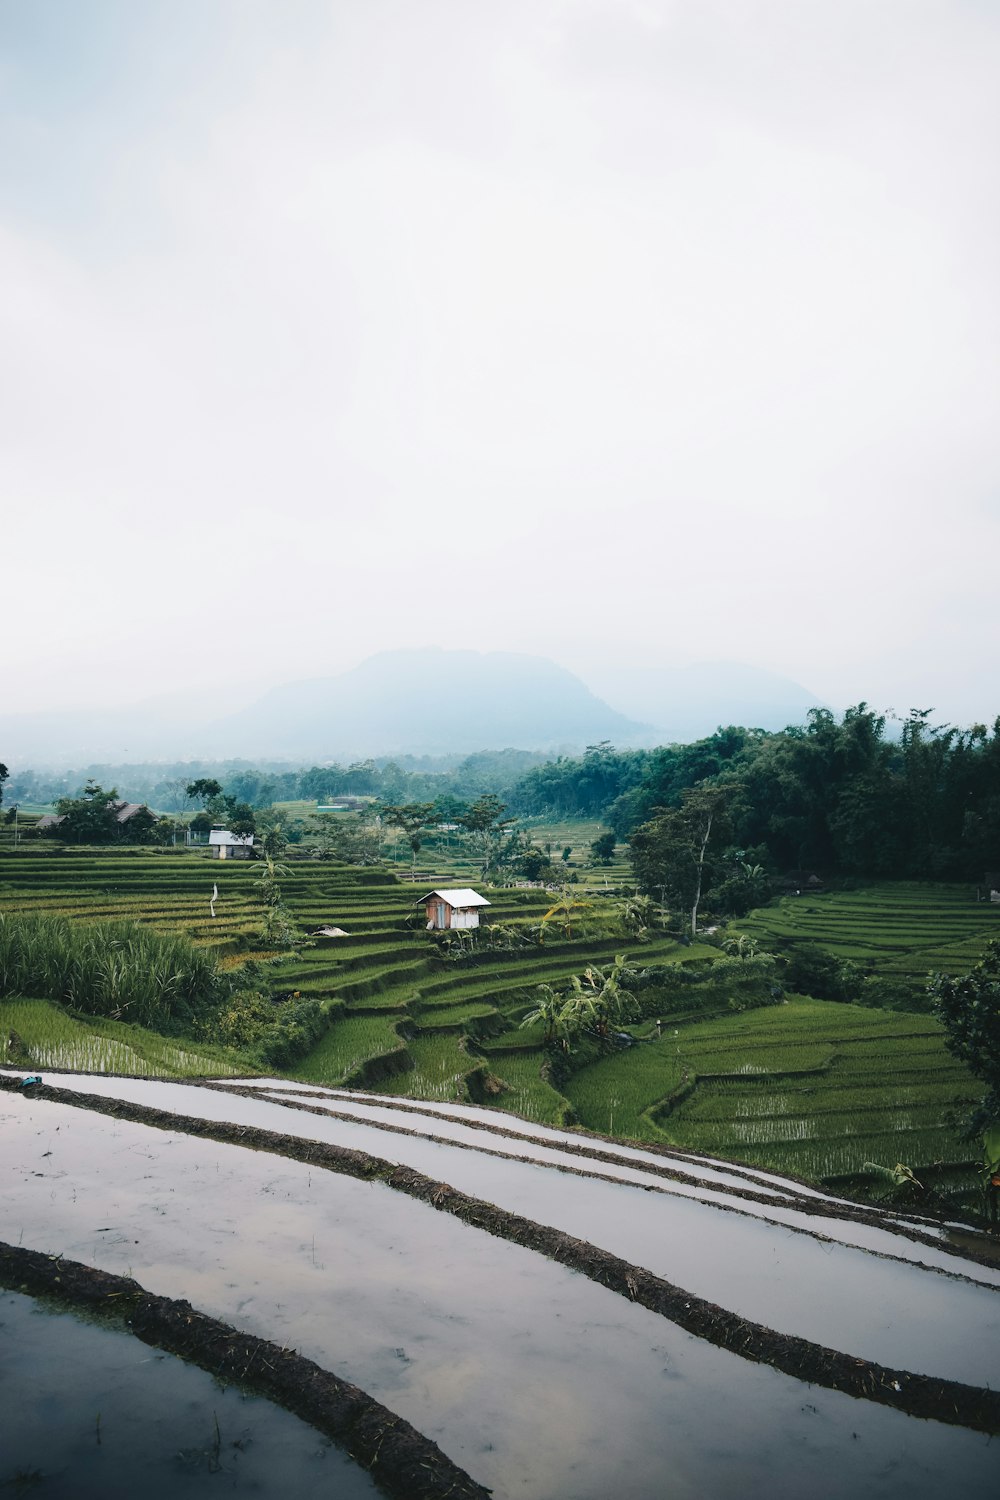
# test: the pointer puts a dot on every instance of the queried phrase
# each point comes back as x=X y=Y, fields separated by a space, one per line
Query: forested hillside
x=842 y=797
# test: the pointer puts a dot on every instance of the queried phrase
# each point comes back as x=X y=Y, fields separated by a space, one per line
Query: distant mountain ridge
x=420 y=701
x=430 y=701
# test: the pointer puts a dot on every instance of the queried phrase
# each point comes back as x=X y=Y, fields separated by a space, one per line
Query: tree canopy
x=94 y=819
x=969 y=1007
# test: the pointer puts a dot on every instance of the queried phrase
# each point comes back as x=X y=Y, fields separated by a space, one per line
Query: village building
x=455 y=908
x=226 y=845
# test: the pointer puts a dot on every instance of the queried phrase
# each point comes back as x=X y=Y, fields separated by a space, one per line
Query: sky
x=658 y=331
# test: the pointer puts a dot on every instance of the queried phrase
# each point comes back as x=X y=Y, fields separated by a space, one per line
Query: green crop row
x=47 y=1037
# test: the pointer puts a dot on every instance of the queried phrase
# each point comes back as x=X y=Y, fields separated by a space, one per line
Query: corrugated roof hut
x=226 y=845
x=454 y=908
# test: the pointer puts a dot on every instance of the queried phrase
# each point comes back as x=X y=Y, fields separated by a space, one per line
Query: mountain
x=428 y=701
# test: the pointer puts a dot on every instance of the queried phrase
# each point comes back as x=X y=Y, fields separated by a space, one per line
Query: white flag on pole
x=215 y=897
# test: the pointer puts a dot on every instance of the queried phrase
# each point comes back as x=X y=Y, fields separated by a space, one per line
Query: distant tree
x=813 y=971
x=968 y=1005
x=93 y=819
x=603 y=848
x=353 y=840
x=413 y=819
x=242 y=822
x=253 y=787
x=171 y=794
x=203 y=790
x=489 y=832
x=534 y=864
x=4 y=773
x=670 y=852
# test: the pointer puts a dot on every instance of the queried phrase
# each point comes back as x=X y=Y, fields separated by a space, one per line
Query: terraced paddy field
x=893 y=928
x=491 y=1306
x=393 y=1003
x=807 y=1087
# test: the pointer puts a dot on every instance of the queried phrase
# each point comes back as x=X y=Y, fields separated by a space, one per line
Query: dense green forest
x=841 y=797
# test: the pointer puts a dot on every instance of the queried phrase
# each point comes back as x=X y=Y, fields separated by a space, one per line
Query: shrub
x=814 y=971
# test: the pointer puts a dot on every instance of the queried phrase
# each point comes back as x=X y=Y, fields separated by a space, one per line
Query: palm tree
x=550 y=1009
x=636 y=914
x=610 y=999
x=568 y=912
x=741 y=946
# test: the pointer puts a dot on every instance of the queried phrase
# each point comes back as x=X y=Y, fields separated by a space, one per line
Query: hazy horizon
x=625 y=334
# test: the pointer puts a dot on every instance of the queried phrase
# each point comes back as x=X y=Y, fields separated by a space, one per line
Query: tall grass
x=115 y=969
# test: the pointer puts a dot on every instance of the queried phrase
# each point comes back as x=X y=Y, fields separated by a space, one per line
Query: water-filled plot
x=533 y=1378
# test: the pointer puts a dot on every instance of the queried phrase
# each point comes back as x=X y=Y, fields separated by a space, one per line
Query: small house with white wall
x=458 y=908
x=226 y=845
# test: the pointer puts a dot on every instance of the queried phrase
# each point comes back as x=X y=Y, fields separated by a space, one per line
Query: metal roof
x=463 y=897
x=223 y=836
x=125 y=810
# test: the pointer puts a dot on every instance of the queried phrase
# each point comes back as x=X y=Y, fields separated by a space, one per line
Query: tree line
x=839 y=797
x=842 y=797
x=398 y=780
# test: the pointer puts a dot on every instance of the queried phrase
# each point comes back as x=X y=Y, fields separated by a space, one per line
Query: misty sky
x=658 y=329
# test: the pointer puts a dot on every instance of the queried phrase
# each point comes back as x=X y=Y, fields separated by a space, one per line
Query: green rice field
x=810 y=1087
x=52 y=1038
x=896 y=929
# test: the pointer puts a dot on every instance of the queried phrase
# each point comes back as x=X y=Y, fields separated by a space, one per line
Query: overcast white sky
x=667 y=328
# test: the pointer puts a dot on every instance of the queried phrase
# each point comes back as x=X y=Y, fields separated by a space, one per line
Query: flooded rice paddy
x=534 y=1379
x=90 y=1411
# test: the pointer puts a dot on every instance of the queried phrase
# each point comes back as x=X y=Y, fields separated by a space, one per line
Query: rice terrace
x=508 y=1208
x=499 y=750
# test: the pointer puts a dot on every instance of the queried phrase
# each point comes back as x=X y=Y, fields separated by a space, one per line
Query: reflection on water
x=534 y=1379
x=91 y=1411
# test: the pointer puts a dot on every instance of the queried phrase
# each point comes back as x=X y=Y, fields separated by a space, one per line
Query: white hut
x=226 y=845
x=458 y=908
